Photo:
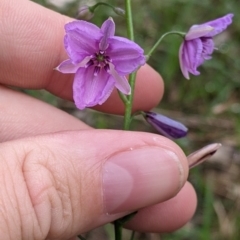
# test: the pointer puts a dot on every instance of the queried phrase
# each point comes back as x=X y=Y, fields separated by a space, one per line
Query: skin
x=52 y=163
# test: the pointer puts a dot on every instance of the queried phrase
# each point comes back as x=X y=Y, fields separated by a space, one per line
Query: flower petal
x=91 y=31
x=121 y=82
x=81 y=39
x=90 y=90
x=183 y=62
x=68 y=67
x=197 y=31
x=193 y=54
x=219 y=24
x=126 y=55
x=167 y=126
x=108 y=30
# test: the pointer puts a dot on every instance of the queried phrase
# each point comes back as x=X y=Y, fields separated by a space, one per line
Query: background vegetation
x=208 y=104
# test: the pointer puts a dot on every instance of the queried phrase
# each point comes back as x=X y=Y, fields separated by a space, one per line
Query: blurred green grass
x=209 y=104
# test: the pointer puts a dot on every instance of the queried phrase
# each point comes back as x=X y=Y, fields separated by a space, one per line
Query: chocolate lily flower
x=198 y=44
x=99 y=60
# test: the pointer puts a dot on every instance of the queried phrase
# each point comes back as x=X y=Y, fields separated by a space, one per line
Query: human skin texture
x=55 y=171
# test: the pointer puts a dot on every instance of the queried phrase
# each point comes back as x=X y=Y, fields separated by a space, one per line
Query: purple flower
x=99 y=60
x=198 y=44
x=166 y=126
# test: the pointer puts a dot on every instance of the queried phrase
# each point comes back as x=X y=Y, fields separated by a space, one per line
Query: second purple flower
x=99 y=60
x=198 y=44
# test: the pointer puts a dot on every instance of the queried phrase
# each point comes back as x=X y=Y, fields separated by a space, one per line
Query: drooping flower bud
x=166 y=126
x=85 y=13
x=119 y=11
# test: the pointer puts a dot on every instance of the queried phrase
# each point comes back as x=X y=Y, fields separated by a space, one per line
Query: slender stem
x=81 y=237
x=128 y=107
x=92 y=8
x=117 y=230
x=117 y=10
x=132 y=77
x=129 y=20
x=132 y=235
x=123 y=98
x=129 y=102
x=160 y=40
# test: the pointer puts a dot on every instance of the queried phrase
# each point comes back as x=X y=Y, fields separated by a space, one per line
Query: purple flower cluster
x=99 y=60
x=198 y=44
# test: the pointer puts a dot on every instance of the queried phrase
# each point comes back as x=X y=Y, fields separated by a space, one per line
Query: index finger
x=32 y=45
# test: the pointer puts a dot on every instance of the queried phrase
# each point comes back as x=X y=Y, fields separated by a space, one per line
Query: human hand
x=59 y=177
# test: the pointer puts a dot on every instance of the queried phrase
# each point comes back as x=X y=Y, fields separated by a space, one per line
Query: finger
x=32 y=45
x=23 y=116
x=167 y=216
x=71 y=182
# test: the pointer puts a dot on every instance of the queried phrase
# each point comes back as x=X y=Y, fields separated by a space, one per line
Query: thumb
x=60 y=185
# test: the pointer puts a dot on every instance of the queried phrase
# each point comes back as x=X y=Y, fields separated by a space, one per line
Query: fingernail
x=140 y=177
x=202 y=154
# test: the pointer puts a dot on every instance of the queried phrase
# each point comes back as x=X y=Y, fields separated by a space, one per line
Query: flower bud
x=84 y=13
x=119 y=11
x=166 y=126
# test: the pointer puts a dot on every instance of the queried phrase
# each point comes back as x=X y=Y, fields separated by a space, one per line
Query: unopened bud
x=84 y=13
x=166 y=126
x=119 y=11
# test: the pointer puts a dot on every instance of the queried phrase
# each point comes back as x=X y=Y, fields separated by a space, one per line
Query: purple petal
x=108 y=30
x=121 y=82
x=193 y=54
x=90 y=90
x=126 y=55
x=167 y=126
x=197 y=31
x=91 y=30
x=81 y=40
x=207 y=50
x=219 y=24
x=68 y=67
x=183 y=62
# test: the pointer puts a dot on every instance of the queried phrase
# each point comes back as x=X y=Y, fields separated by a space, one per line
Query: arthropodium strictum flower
x=99 y=60
x=166 y=126
x=198 y=44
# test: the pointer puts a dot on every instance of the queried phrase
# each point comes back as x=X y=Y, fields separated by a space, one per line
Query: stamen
x=107 y=68
x=89 y=63
x=96 y=71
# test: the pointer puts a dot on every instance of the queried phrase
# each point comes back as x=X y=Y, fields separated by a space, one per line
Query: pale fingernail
x=202 y=154
x=140 y=177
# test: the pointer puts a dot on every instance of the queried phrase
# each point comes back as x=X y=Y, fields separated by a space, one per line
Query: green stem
x=117 y=10
x=128 y=106
x=123 y=98
x=160 y=40
x=130 y=31
x=132 y=235
x=117 y=230
x=132 y=77
x=93 y=8
x=128 y=103
x=81 y=237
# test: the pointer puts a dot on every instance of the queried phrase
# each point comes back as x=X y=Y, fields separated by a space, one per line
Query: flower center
x=100 y=61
